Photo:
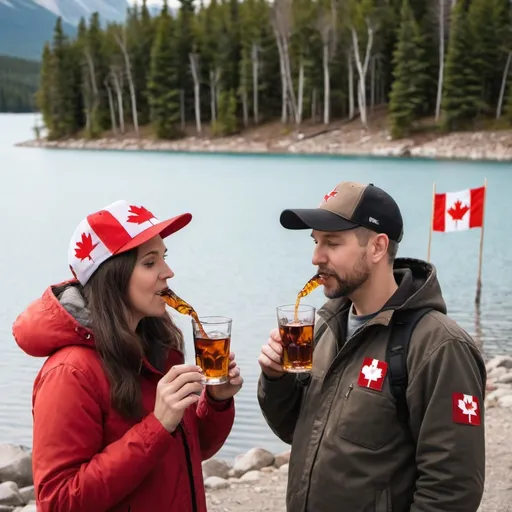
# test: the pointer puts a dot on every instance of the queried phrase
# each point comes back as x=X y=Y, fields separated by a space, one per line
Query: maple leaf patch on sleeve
x=465 y=409
x=84 y=247
x=139 y=215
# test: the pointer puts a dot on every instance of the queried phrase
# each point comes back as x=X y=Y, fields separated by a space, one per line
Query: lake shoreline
x=348 y=140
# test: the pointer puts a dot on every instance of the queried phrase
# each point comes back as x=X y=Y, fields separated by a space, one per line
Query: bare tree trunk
x=372 y=85
x=94 y=86
x=245 y=106
x=327 y=91
x=440 y=78
x=291 y=92
x=300 y=93
x=86 y=94
x=119 y=94
x=182 y=109
x=351 y=101
x=255 y=84
x=112 y=108
x=133 y=97
x=362 y=68
x=284 y=85
x=313 y=105
x=213 y=96
x=197 y=103
x=282 y=19
x=503 y=86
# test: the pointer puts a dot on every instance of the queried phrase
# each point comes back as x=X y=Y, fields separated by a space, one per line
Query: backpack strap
x=403 y=324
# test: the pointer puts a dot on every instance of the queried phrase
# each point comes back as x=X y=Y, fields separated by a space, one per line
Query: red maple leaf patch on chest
x=372 y=373
x=457 y=211
x=84 y=247
x=139 y=215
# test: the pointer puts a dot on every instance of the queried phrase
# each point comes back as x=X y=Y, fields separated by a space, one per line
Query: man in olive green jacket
x=350 y=452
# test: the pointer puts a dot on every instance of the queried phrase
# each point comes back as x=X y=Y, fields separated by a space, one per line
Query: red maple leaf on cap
x=84 y=248
x=457 y=211
x=140 y=215
x=332 y=193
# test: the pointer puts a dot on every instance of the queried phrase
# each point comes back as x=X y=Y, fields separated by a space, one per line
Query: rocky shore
x=341 y=139
x=256 y=481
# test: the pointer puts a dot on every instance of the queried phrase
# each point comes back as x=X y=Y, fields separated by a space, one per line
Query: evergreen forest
x=227 y=65
x=19 y=82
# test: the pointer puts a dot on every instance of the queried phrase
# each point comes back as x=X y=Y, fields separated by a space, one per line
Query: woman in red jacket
x=120 y=422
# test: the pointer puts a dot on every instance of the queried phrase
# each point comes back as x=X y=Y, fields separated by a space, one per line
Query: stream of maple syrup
x=313 y=283
x=183 y=307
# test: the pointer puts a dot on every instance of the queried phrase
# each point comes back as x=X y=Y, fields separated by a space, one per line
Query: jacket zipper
x=350 y=388
x=189 y=468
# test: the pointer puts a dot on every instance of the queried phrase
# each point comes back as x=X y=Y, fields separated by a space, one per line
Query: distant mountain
x=25 y=25
x=73 y=10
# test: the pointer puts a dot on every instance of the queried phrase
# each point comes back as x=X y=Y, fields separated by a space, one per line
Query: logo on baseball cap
x=348 y=206
x=115 y=229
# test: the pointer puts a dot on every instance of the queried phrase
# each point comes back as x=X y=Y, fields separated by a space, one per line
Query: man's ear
x=379 y=248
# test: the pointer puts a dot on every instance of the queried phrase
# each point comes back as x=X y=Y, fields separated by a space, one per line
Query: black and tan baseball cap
x=348 y=206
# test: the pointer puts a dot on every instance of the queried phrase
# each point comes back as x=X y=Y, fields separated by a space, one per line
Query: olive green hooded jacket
x=349 y=451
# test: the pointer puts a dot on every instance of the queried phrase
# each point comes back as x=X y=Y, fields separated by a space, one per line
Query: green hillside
x=19 y=80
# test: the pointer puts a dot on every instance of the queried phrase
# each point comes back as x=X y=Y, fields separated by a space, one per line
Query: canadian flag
x=459 y=211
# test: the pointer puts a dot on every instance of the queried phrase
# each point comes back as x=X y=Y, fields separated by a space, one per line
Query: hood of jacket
x=418 y=287
x=57 y=319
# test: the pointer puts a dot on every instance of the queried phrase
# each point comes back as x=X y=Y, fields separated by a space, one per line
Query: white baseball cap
x=115 y=229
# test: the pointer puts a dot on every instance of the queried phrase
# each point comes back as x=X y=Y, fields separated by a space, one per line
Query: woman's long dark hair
x=120 y=349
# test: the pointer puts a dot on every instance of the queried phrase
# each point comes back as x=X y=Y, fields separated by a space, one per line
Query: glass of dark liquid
x=212 y=340
x=296 y=327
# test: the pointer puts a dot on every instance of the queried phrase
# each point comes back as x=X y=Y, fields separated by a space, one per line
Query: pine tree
x=462 y=98
x=64 y=122
x=409 y=90
x=486 y=25
x=141 y=35
x=185 y=46
x=163 y=80
x=45 y=94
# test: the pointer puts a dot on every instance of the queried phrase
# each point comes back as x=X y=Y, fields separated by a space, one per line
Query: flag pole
x=479 y=278
x=431 y=220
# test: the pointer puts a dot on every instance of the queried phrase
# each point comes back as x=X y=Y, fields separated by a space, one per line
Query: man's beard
x=349 y=283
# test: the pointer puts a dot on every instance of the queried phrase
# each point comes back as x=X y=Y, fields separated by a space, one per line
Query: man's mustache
x=326 y=272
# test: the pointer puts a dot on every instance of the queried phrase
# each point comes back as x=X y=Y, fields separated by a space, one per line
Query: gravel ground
x=268 y=494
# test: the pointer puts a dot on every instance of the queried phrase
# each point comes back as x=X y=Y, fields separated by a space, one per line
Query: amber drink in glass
x=212 y=340
x=296 y=327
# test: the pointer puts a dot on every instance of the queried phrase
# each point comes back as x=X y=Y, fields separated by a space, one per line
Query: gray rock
x=505 y=378
x=10 y=495
x=250 y=476
x=28 y=494
x=496 y=373
x=282 y=458
x=214 y=467
x=284 y=469
x=31 y=507
x=253 y=460
x=16 y=464
x=505 y=401
x=499 y=362
x=215 y=482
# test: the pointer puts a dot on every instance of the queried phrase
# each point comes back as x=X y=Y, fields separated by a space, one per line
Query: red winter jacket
x=86 y=457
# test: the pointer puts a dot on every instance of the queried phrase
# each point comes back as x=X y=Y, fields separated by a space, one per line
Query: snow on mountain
x=25 y=26
x=73 y=10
